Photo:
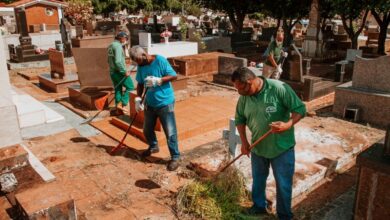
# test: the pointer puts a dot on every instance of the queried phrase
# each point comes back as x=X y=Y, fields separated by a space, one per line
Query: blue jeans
x=166 y=115
x=283 y=170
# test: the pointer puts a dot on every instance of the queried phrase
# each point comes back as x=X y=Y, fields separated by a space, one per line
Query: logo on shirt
x=270 y=109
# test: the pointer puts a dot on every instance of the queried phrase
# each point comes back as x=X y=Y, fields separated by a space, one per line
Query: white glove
x=279 y=69
x=284 y=54
x=139 y=107
x=152 y=81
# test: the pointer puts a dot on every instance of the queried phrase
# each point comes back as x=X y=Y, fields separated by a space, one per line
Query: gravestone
x=369 y=91
x=93 y=74
x=226 y=67
x=25 y=52
x=65 y=39
x=79 y=31
x=107 y=27
x=59 y=79
x=311 y=45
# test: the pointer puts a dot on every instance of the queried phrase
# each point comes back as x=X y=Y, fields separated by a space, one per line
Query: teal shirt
x=158 y=96
x=275 y=102
x=116 y=58
x=275 y=50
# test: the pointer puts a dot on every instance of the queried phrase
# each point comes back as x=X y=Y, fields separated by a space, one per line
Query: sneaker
x=173 y=165
x=256 y=211
x=149 y=152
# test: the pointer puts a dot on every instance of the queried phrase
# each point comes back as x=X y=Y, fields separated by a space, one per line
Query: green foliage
x=257 y=16
x=236 y=10
x=7 y=1
x=220 y=199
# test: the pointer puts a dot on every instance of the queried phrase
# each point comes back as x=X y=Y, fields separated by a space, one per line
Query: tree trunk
x=350 y=29
x=383 y=24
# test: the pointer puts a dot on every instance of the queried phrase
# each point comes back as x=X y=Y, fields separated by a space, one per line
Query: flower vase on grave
x=166 y=40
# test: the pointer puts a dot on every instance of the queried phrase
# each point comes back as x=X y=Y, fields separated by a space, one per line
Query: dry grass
x=218 y=198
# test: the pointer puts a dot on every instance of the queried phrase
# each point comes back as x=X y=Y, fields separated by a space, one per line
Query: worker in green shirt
x=268 y=104
x=117 y=63
x=272 y=67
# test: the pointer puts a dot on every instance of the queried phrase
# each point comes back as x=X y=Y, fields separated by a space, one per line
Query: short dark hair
x=242 y=74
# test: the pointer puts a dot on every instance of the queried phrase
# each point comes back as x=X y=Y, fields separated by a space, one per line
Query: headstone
x=352 y=53
x=22 y=23
x=89 y=28
x=65 y=39
x=92 y=67
x=145 y=39
x=227 y=65
x=372 y=74
x=59 y=79
x=107 y=27
x=79 y=31
x=311 y=46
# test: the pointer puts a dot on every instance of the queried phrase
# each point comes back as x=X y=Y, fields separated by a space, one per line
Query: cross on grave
x=232 y=136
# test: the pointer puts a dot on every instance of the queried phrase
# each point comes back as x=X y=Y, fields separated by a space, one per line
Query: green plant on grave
x=218 y=199
x=183 y=28
x=197 y=37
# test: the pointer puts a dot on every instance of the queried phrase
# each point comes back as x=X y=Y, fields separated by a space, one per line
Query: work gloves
x=284 y=54
x=152 y=81
x=139 y=107
x=279 y=69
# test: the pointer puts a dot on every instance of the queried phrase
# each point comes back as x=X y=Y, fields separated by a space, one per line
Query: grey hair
x=242 y=74
x=137 y=52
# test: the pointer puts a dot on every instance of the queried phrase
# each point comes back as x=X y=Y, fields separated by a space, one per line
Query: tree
x=289 y=12
x=380 y=9
x=78 y=11
x=353 y=15
x=327 y=11
x=236 y=10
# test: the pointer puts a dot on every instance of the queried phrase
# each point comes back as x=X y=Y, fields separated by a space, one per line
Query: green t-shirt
x=116 y=58
x=275 y=101
x=275 y=50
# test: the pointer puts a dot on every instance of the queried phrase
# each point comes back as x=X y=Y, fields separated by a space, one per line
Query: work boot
x=173 y=165
x=256 y=211
x=149 y=152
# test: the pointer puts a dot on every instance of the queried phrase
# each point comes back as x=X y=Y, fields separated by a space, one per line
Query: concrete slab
x=31 y=112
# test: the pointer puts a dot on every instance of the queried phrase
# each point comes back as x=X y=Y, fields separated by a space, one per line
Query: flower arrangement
x=165 y=34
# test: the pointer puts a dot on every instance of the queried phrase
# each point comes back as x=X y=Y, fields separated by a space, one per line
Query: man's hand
x=139 y=107
x=152 y=81
x=284 y=54
x=245 y=148
x=279 y=69
x=279 y=126
x=128 y=73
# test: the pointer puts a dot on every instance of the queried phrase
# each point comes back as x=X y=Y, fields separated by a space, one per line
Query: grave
x=217 y=43
x=107 y=27
x=324 y=148
x=344 y=66
x=199 y=65
x=368 y=95
x=25 y=52
x=307 y=87
x=243 y=46
x=66 y=44
x=210 y=113
x=373 y=181
x=313 y=40
x=58 y=80
x=171 y=49
x=93 y=74
x=226 y=67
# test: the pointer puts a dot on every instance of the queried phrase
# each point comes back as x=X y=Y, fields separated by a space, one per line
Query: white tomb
x=171 y=49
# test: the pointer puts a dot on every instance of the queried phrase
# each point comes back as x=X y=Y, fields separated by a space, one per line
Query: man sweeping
x=272 y=68
x=268 y=104
x=155 y=73
x=119 y=75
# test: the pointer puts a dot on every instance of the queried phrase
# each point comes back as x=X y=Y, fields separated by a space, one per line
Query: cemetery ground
x=125 y=186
